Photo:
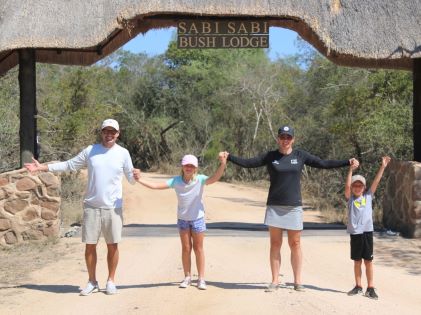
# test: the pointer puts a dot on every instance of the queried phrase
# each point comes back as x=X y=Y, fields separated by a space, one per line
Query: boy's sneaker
x=299 y=287
x=201 y=284
x=185 y=283
x=110 y=288
x=91 y=287
x=371 y=293
x=356 y=290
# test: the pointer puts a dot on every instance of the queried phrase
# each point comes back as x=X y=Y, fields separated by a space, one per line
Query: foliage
x=205 y=101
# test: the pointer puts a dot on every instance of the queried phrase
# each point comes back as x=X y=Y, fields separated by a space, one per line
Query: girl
x=190 y=212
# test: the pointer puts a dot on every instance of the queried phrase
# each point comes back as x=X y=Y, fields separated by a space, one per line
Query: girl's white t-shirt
x=190 y=204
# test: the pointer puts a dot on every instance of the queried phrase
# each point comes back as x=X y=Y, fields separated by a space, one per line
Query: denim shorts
x=196 y=226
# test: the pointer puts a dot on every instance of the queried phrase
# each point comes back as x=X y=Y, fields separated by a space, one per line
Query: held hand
x=136 y=173
x=354 y=163
x=223 y=157
x=32 y=167
x=353 y=167
x=385 y=161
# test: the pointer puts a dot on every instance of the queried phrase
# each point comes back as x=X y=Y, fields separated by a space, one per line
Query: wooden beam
x=28 y=108
x=417 y=108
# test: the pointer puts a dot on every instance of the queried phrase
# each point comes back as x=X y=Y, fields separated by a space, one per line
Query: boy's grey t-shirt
x=360 y=214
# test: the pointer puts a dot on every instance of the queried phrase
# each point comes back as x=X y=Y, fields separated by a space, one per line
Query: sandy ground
x=237 y=267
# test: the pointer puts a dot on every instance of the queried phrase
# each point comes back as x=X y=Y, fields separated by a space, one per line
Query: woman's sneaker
x=371 y=293
x=91 y=287
x=299 y=287
x=201 y=284
x=272 y=287
x=356 y=290
x=185 y=283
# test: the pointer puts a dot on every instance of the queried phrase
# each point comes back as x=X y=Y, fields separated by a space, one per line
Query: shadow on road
x=54 y=288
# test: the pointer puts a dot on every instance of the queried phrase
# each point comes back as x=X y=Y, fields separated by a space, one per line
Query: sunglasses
x=111 y=131
x=285 y=137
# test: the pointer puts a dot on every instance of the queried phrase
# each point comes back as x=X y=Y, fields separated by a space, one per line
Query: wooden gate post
x=28 y=108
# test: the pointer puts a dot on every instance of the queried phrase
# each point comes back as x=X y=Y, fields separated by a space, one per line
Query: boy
x=360 y=226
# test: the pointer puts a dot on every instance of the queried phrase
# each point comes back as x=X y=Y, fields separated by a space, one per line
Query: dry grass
x=20 y=260
x=73 y=187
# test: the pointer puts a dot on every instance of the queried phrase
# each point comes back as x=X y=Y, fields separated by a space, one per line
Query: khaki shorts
x=107 y=221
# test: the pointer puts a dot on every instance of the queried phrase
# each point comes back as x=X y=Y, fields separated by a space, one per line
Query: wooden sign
x=222 y=34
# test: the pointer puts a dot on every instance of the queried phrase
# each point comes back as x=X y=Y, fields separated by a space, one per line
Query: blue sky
x=154 y=42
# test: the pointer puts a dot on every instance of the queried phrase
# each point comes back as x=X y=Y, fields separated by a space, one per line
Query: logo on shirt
x=359 y=203
x=294 y=161
x=275 y=162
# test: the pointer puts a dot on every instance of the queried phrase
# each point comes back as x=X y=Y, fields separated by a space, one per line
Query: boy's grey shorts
x=97 y=220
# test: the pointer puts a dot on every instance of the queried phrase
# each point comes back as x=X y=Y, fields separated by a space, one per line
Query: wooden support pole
x=417 y=108
x=28 y=108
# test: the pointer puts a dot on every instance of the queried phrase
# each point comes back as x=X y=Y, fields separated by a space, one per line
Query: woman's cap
x=286 y=130
x=110 y=123
x=358 y=178
x=189 y=159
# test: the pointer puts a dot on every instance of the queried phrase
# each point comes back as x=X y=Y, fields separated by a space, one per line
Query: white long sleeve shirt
x=106 y=167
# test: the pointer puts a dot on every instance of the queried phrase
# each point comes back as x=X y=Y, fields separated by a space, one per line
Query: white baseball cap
x=189 y=159
x=358 y=178
x=110 y=123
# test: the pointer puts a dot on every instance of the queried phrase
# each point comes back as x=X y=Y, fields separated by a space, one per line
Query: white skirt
x=284 y=217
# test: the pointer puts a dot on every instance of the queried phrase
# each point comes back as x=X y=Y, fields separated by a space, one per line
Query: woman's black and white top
x=285 y=173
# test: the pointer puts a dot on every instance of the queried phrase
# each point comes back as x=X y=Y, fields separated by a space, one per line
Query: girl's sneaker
x=185 y=283
x=201 y=284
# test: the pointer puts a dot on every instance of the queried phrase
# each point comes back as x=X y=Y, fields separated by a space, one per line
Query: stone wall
x=29 y=206
x=402 y=198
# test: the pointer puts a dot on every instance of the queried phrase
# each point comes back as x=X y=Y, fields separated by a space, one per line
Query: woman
x=284 y=205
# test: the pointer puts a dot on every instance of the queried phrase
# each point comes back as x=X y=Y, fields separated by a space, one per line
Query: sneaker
x=299 y=287
x=371 y=293
x=272 y=287
x=185 y=283
x=201 y=284
x=356 y=290
x=110 y=288
x=91 y=287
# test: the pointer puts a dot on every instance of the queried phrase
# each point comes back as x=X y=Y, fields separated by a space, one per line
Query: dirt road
x=237 y=267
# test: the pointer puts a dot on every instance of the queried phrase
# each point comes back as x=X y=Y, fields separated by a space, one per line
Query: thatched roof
x=375 y=33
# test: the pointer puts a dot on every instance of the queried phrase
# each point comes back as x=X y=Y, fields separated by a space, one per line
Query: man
x=102 y=206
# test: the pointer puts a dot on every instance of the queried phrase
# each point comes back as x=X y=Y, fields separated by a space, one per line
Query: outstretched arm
x=152 y=185
x=35 y=166
x=220 y=171
x=348 y=181
x=257 y=161
x=376 y=181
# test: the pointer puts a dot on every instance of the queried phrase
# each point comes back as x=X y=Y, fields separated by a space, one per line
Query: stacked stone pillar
x=402 y=198
x=29 y=206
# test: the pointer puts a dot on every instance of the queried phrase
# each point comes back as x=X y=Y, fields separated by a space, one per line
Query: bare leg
x=186 y=247
x=294 y=241
x=369 y=273
x=199 y=252
x=112 y=260
x=91 y=259
x=357 y=272
x=275 y=252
